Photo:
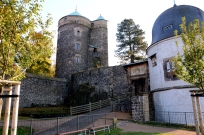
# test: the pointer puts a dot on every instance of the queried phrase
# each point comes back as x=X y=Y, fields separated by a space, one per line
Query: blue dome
x=100 y=18
x=75 y=13
x=169 y=21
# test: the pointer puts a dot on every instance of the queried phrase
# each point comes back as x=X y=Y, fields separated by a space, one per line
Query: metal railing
x=89 y=107
x=52 y=126
x=97 y=105
x=181 y=118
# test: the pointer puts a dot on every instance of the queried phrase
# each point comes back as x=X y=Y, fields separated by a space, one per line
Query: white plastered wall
x=171 y=100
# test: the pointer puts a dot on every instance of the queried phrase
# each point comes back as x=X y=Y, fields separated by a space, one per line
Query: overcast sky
x=143 y=12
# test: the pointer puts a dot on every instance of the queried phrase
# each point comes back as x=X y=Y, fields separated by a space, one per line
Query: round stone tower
x=98 y=47
x=80 y=44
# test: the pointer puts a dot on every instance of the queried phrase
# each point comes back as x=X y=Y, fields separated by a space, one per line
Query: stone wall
x=42 y=91
x=107 y=79
x=140 y=108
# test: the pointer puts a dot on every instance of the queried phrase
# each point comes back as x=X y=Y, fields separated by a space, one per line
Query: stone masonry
x=140 y=108
x=107 y=79
x=42 y=91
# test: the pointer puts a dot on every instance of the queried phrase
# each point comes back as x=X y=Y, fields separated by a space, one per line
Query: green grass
x=44 y=110
x=118 y=131
x=20 y=131
x=168 y=125
x=40 y=112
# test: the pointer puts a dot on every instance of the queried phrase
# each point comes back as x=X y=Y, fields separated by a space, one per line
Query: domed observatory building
x=170 y=94
x=82 y=44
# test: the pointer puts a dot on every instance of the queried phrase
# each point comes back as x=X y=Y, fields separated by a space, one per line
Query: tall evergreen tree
x=131 y=44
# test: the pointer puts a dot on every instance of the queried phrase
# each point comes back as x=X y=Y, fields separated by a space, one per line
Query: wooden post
x=90 y=107
x=1 y=104
x=7 y=113
x=15 y=111
x=100 y=104
x=200 y=115
x=70 y=110
x=195 y=113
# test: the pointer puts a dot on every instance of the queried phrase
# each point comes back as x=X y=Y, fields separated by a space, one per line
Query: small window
x=78 y=33
x=95 y=53
x=154 y=60
x=169 y=66
x=167 y=28
x=77 y=59
x=78 y=46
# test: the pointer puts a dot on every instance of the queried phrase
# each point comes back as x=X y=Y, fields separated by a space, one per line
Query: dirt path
x=127 y=126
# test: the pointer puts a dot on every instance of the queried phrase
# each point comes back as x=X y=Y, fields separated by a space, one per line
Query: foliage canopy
x=24 y=37
x=190 y=64
x=131 y=45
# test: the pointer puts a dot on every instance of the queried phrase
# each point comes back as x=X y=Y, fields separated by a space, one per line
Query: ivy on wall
x=97 y=62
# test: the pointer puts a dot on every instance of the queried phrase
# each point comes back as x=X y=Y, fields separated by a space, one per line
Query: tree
x=42 y=65
x=190 y=64
x=131 y=41
x=24 y=37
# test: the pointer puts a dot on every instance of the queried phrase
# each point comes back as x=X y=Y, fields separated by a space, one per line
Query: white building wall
x=173 y=99
x=164 y=49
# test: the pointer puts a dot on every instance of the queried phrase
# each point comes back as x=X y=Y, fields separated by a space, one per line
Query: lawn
x=20 y=131
x=118 y=131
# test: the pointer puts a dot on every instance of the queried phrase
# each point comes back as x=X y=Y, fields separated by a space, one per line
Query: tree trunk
x=7 y=114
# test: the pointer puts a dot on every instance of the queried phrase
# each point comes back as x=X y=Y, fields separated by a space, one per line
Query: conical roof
x=75 y=13
x=100 y=18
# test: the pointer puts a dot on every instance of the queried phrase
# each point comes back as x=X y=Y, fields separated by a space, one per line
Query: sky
x=143 y=12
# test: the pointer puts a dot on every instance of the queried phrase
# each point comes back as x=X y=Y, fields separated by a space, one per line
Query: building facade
x=170 y=94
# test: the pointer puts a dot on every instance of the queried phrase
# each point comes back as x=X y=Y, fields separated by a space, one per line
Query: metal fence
x=183 y=118
x=89 y=107
x=97 y=105
x=52 y=126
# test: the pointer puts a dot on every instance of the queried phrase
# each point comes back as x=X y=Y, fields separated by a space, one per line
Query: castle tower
x=98 y=47
x=80 y=44
x=169 y=92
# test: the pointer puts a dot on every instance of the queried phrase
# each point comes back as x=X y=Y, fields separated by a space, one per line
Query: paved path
x=123 y=123
x=84 y=121
x=128 y=126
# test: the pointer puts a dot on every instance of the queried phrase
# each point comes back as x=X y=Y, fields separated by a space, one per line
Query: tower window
x=78 y=46
x=77 y=59
x=95 y=53
x=167 y=28
x=154 y=60
x=169 y=66
x=78 y=31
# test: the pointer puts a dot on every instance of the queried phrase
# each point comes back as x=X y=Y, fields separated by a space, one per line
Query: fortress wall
x=42 y=91
x=108 y=79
